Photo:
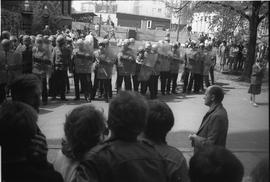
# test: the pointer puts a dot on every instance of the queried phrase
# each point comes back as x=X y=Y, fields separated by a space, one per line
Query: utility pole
x=99 y=25
x=178 y=29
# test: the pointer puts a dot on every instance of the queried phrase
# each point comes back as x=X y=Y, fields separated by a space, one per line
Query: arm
x=216 y=127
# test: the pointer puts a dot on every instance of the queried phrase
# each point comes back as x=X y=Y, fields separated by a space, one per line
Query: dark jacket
x=121 y=161
x=257 y=75
x=176 y=164
x=25 y=171
x=61 y=58
x=213 y=129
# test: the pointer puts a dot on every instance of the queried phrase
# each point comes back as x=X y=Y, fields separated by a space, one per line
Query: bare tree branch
x=263 y=16
x=178 y=9
x=241 y=12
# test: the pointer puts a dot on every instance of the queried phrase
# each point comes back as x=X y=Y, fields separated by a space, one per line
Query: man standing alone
x=214 y=126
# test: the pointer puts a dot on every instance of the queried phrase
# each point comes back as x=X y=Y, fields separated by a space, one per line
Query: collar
x=213 y=107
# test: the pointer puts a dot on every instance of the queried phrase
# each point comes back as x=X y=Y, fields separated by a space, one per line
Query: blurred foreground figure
x=84 y=129
x=215 y=163
x=160 y=122
x=17 y=129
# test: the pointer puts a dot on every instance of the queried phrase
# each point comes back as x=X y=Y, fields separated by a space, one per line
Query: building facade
x=143 y=22
x=30 y=17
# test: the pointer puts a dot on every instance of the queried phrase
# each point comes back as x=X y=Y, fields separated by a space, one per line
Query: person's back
x=123 y=158
x=120 y=161
x=84 y=127
x=17 y=128
x=159 y=123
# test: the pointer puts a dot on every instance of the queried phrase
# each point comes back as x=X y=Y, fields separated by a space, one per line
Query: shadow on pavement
x=253 y=140
x=262 y=103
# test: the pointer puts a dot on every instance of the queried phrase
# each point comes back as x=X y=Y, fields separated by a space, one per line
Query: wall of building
x=131 y=20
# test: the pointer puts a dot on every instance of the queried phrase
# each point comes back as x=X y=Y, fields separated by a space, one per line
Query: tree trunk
x=251 y=54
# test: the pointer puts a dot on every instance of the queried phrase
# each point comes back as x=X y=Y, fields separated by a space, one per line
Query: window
x=159 y=10
x=149 y=23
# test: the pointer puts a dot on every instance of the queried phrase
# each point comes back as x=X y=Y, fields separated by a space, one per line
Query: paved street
x=248 y=135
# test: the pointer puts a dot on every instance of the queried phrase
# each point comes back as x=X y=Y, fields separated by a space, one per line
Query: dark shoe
x=163 y=93
x=53 y=98
x=63 y=99
x=76 y=98
x=45 y=103
x=87 y=99
x=174 y=92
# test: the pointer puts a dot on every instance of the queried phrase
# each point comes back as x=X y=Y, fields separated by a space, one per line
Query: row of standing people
x=199 y=64
x=51 y=59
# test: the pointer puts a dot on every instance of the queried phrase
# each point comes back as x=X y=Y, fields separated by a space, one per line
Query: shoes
x=87 y=99
x=255 y=105
x=53 y=98
x=76 y=98
x=63 y=99
x=163 y=93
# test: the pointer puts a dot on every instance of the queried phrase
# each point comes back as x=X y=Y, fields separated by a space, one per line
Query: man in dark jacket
x=123 y=158
x=214 y=126
x=160 y=122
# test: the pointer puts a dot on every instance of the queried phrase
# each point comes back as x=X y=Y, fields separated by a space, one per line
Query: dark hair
x=17 y=128
x=215 y=163
x=127 y=115
x=218 y=92
x=261 y=171
x=24 y=89
x=5 y=35
x=160 y=121
x=83 y=128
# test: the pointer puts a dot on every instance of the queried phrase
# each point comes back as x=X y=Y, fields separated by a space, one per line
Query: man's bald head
x=217 y=91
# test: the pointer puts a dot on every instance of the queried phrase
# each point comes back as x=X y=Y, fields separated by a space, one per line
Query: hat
x=5 y=42
x=60 y=39
x=39 y=40
x=131 y=40
x=125 y=42
x=13 y=38
x=155 y=47
x=5 y=35
x=51 y=38
x=26 y=38
x=140 y=48
x=147 y=45
x=80 y=42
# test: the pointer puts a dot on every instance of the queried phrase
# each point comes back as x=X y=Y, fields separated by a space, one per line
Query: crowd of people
x=53 y=57
x=128 y=146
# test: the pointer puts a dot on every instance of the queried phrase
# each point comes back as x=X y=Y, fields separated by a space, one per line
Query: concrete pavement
x=248 y=135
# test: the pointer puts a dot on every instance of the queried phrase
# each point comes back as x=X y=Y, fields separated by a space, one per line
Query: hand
x=192 y=136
